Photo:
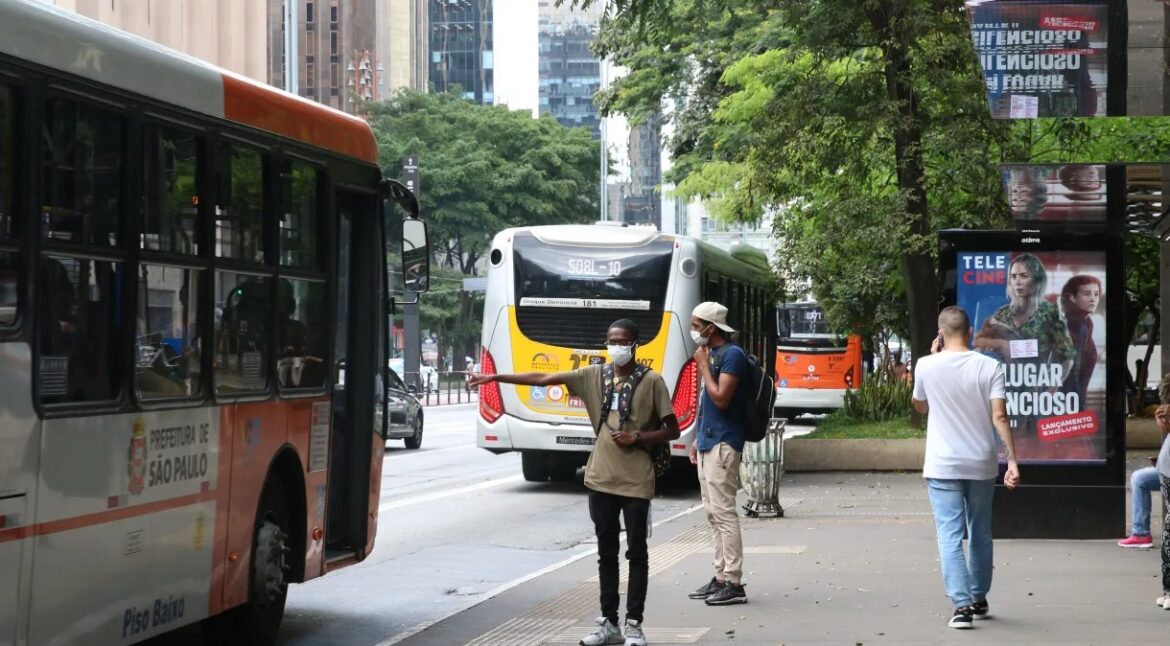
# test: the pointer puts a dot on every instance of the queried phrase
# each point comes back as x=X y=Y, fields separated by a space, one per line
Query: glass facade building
x=461 y=48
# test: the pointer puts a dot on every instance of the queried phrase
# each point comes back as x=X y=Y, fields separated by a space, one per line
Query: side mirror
x=401 y=195
x=416 y=256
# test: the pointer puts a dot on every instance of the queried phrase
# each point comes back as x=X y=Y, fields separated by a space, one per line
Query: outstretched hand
x=477 y=379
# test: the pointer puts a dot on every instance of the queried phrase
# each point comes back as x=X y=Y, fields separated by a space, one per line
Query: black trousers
x=607 y=510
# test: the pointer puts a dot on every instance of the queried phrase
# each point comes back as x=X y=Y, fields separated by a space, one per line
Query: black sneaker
x=702 y=593
x=961 y=619
x=980 y=609
x=728 y=595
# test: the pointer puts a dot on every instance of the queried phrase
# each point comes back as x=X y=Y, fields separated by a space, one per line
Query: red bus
x=192 y=326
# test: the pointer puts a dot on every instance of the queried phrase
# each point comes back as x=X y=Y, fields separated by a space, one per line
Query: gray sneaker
x=634 y=634
x=606 y=634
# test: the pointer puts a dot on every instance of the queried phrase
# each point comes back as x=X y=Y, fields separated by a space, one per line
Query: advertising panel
x=1042 y=59
x=1067 y=193
x=1041 y=313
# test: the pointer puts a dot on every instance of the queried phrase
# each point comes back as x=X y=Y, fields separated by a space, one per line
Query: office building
x=570 y=74
x=461 y=53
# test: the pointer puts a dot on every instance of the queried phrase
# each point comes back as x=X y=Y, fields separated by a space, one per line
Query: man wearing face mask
x=619 y=474
x=719 y=440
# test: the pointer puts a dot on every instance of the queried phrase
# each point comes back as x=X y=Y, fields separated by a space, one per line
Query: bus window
x=239 y=219
x=170 y=204
x=9 y=267
x=9 y=260
x=594 y=285
x=168 y=343
x=241 y=333
x=82 y=173
x=77 y=341
x=7 y=152
x=298 y=227
x=301 y=333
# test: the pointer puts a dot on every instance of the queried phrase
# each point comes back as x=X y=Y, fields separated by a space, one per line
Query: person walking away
x=718 y=447
x=620 y=474
x=964 y=392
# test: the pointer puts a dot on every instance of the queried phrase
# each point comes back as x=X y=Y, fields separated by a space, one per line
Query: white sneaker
x=634 y=634
x=1163 y=601
x=606 y=634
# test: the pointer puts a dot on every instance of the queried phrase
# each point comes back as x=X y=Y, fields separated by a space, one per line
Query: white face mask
x=620 y=354
x=698 y=337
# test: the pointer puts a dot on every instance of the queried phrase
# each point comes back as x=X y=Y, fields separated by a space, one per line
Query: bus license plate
x=576 y=441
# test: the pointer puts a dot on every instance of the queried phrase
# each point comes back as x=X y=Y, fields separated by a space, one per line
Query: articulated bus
x=192 y=320
x=552 y=292
x=814 y=366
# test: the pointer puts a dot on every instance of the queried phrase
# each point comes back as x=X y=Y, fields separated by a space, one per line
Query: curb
x=854 y=455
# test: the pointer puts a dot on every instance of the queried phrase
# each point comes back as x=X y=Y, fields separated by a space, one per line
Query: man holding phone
x=964 y=392
x=620 y=474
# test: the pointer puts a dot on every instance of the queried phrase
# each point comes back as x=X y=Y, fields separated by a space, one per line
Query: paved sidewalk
x=853 y=562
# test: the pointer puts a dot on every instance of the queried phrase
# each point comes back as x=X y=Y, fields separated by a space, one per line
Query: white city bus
x=552 y=292
x=192 y=324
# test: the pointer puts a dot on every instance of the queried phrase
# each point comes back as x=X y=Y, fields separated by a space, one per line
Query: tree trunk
x=917 y=265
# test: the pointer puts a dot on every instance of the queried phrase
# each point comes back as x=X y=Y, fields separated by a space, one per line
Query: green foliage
x=483 y=169
x=878 y=400
x=839 y=427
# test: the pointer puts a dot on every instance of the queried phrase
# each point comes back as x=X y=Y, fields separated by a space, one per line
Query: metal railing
x=443 y=387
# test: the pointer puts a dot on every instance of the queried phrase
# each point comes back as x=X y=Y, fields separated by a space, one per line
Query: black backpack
x=761 y=398
x=659 y=451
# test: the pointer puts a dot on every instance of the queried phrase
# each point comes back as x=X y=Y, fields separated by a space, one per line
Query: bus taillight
x=491 y=403
x=686 y=394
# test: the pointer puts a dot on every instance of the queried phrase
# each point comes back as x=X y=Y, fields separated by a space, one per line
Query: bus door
x=359 y=391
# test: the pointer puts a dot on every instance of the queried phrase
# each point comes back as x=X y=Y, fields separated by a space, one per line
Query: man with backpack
x=719 y=440
x=633 y=419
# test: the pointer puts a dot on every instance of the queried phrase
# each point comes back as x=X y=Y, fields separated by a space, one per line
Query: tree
x=860 y=123
x=484 y=168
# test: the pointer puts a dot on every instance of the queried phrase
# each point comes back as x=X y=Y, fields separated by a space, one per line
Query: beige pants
x=719 y=482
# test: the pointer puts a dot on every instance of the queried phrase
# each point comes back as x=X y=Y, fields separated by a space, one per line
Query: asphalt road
x=456 y=525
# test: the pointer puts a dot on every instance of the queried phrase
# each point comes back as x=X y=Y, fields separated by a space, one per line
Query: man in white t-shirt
x=964 y=393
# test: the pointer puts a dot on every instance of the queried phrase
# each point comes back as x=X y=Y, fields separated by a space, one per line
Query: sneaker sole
x=961 y=625
x=697 y=597
x=729 y=602
x=1143 y=546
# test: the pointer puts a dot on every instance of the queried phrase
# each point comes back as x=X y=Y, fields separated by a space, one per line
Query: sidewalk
x=854 y=561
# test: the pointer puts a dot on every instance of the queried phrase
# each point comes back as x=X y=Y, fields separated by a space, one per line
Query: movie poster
x=1068 y=193
x=1043 y=315
x=1042 y=59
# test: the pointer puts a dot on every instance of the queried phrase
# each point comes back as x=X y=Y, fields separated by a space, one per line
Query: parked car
x=428 y=375
x=405 y=413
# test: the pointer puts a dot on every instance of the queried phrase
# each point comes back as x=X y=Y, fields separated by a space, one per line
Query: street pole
x=291 y=64
x=604 y=155
x=411 y=312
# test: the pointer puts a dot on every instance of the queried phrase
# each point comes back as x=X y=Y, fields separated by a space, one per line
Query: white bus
x=552 y=292
x=192 y=323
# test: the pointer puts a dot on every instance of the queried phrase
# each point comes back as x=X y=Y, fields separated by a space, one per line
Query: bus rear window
x=568 y=295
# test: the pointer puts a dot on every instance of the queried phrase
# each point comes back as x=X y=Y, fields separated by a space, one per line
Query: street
x=456 y=523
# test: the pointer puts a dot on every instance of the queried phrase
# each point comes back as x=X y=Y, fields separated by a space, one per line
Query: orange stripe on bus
x=250 y=103
x=107 y=516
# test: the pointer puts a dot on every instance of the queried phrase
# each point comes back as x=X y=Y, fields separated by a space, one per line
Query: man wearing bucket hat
x=719 y=440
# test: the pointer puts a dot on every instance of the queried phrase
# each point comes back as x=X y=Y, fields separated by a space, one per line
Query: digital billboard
x=1042 y=314
x=1070 y=193
x=1042 y=59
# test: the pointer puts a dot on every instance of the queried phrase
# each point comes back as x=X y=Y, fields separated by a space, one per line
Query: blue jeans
x=963 y=506
x=1143 y=482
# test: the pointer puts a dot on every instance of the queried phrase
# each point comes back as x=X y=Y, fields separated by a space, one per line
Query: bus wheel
x=258 y=620
x=535 y=466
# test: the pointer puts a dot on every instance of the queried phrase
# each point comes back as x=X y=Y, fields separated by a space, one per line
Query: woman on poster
x=1028 y=316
